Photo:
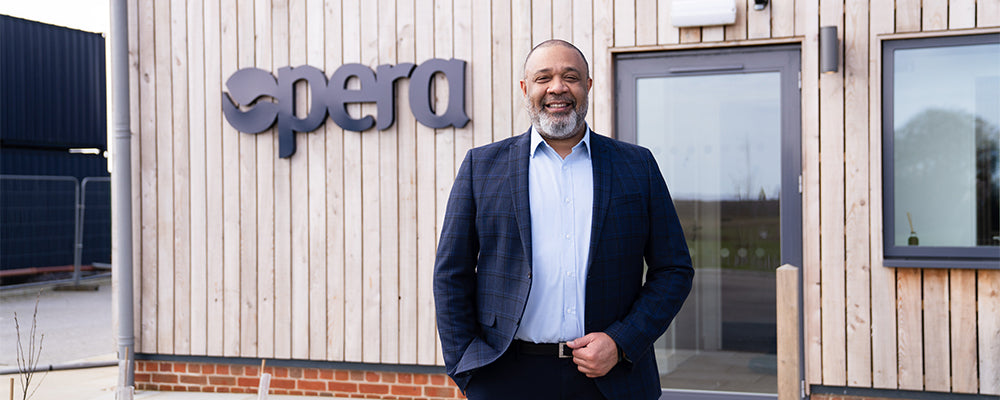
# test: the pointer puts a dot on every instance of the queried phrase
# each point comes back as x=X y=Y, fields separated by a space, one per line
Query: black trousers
x=516 y=376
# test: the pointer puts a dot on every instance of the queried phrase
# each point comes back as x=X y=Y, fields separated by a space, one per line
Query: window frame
x=977 y=257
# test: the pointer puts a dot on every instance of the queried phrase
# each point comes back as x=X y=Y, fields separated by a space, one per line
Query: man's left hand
x=594 y=354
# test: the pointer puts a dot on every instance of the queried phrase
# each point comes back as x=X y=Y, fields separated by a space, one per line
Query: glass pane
x=946 y=114
x=717 y=139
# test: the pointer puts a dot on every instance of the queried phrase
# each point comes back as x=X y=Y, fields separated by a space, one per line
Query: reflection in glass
x=717 y=139
x=946 y=114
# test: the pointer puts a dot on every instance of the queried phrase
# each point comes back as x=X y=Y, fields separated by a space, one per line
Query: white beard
x=552 y=127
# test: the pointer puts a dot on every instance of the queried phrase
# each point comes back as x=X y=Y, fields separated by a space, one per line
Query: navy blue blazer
x=482 y=274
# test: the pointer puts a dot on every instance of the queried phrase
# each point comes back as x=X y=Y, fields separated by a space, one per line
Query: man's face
x=555 y=88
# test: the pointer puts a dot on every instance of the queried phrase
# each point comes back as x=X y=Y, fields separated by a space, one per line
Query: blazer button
x=529 y=275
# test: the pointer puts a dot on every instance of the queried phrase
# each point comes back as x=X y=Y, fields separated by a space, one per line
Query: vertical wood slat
x=136 y=146
x=937 y=355
x=299 y=192
x=961 y=14
x=738 y=30
x=182 y=178
x=690 y=35
x=908 y=15
x=666 y=32
x=282 y=204
x=987 y=13
x=316 y=57
x=831 y=156
x=353 y=281
x=787 y=331
x=248 y=195
x=389 y=202
x=444 y=168
x=265 y=195
x=147 y=174
x=482 y=75
x=858 y=289
x=603 y=39
x=408 y=311
x=583 y=38
x=624 y=23
x=335 y=289
x=988 y=284
x=520 y=45
x=231 y=191
x=909 y=322
x=758 y=22
x=541 y=21
x=962 y=313
x=883 y=280
x=782 y=19
x=196 y=144
x=426 y=204
x=562 y=25
x=214 y=179
x=934 y=15
x=713 y=34
x=164 y=182
x=645 y=22
x=807 y=25
x=502 y=70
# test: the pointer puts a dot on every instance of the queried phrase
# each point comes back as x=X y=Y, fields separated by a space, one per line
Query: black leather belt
x=560 y=350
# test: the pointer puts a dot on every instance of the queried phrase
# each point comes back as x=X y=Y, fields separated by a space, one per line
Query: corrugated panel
x=52 y=86
x=37 y=216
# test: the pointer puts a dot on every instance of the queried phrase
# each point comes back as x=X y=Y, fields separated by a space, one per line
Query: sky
x=86 y=15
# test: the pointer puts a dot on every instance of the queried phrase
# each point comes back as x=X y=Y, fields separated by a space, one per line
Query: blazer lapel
x=517 y=180
x=601 y=163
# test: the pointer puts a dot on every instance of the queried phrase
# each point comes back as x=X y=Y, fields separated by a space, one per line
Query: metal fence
x=54 y=221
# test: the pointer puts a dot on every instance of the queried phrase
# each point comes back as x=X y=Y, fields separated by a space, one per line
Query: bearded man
x=539 y=279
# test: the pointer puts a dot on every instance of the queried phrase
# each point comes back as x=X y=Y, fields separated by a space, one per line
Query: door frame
x=782 y=58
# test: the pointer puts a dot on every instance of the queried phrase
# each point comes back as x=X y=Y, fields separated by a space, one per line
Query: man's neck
x=564 y=147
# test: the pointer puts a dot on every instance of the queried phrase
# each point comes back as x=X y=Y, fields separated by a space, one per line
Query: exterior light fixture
x=759 y=4
x=828 y=50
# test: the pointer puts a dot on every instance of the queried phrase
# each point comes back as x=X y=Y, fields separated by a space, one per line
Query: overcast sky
x=87 y=15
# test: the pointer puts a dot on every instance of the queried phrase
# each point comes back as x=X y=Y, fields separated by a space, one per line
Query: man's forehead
x=554 y=58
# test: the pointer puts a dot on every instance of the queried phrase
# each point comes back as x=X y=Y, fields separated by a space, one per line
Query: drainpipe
x=121 y=188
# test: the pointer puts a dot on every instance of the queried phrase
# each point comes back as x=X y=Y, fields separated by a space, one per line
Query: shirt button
x=566 y=200
x=571 y=310
x=567 y=236
x=569 y=274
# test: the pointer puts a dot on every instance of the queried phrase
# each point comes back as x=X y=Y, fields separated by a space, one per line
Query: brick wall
x=228 y=378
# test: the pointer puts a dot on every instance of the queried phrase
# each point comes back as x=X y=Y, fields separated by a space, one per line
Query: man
x=538 y=282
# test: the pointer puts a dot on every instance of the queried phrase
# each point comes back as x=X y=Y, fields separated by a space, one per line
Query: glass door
x=724 y=128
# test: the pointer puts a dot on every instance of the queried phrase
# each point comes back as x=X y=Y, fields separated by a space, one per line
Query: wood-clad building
x=321 y=263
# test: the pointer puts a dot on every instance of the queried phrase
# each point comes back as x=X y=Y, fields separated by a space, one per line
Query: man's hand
x=594 y=354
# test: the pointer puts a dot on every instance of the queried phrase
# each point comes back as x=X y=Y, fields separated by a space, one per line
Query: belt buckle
x=563 y=351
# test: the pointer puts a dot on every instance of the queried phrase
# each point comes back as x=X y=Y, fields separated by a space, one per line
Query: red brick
x=142 y=377
x=445 y=392
x=194 y=368
x=164 y=378
x=437 y=380
x=373 y=389
x=371 y=377
x=342 y=387
x=312 y=385
x=280 y=372
x=251 y=371
x=357 y=375
x=222 y=380
x=194 y=379
x=283 y=383
x=326 y=374
x=295 y=373
x=310 y=373
x=341 y=375
x=406 y=390
x=296 y=392
x=208 y=369
x=235 y=370
x=165 y=367
x=389 y=377
x=420 y=379
x=405 y=377
x=222 y=369
x=180 y=367
x=248 y=382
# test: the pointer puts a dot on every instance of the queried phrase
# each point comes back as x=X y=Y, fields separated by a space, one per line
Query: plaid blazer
x=483 y=269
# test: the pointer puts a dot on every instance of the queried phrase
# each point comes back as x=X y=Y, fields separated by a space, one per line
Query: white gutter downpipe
x=121 y=189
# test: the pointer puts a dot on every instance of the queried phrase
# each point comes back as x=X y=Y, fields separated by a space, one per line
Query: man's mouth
x=558 y=106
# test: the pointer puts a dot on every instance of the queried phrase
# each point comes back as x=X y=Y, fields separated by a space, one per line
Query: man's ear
x=590 y=82
x=524 y=88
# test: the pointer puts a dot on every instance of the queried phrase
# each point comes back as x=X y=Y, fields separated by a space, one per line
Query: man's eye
x=542 y=79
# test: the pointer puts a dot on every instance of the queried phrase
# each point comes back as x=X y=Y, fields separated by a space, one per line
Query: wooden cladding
x=328 y=255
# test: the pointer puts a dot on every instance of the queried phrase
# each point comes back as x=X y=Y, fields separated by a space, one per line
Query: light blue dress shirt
x=561 y=196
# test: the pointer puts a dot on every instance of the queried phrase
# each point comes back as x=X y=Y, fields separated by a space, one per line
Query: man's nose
x=557 y=86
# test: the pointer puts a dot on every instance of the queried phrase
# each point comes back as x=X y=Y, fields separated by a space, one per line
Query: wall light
x=829 y=48
x=759 y=4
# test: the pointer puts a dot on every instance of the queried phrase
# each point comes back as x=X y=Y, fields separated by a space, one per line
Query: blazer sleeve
x=455 y=270
x=668 y=277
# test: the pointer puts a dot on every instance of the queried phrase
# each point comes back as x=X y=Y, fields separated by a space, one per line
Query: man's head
x=555 y=86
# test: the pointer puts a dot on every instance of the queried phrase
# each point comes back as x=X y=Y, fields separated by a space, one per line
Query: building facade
x=320 y=261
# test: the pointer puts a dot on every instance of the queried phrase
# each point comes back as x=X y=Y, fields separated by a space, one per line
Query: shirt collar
x=537 y=142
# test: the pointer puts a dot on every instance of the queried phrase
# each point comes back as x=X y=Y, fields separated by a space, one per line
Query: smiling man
x=539 y=280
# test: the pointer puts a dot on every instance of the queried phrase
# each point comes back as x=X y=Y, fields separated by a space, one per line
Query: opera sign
x=248 y=85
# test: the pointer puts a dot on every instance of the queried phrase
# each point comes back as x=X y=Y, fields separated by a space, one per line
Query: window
x=940 y=135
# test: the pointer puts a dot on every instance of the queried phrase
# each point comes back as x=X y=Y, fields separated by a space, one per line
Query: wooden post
x=788 y=332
